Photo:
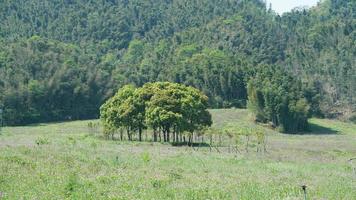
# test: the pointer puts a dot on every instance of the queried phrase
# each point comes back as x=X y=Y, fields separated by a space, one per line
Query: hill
x=62 y=59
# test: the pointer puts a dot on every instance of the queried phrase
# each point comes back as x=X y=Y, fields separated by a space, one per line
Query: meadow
x=67 y=161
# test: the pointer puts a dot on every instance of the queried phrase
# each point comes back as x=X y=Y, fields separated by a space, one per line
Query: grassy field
x=64 y=161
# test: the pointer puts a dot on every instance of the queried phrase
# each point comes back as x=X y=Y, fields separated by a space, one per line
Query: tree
x=117 y=111
x=168 y=108
x=274 y=96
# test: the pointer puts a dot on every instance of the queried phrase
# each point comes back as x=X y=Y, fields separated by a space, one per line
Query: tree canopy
x=274 y=96
x=62 y=60
x=170 y=109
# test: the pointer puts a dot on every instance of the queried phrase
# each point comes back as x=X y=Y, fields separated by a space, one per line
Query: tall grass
x=67 y=161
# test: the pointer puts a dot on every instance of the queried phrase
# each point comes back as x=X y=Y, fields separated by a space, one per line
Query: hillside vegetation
x=68 y=161
x=63 y=59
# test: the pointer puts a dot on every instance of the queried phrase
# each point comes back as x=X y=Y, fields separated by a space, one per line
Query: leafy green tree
x=168 y=108
x=117 y=111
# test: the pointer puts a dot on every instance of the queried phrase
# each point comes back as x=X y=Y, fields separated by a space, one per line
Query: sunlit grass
x=64 y=161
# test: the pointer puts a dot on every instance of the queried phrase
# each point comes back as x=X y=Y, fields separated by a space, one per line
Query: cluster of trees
x=63 y=59
x=171 y=110
x=276 y=97
x=320 y=50
x=44 y=80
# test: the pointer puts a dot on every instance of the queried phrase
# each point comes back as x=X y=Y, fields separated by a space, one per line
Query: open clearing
x=71 y=163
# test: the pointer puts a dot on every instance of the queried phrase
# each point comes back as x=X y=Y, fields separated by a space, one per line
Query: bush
x=146 y=157
x=353 y=118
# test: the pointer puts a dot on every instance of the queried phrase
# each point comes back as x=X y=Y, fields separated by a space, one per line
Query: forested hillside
x=61 y=59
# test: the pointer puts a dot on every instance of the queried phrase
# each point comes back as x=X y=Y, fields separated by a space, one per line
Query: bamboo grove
x=61 y=60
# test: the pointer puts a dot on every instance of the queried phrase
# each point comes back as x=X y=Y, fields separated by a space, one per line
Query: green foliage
x=274 y=96
x=353 y=118
x=164 y=106
x=134 y=52
x=61 y=60
x=48 y=81
x=71 y=185
x=146 y=157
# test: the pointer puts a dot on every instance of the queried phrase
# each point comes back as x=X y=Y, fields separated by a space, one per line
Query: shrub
x=353 y=118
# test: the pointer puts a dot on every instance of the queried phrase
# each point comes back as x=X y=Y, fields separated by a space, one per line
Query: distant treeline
x=62 y=60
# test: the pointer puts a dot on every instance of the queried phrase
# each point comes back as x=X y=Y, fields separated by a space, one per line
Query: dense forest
x=62 y=59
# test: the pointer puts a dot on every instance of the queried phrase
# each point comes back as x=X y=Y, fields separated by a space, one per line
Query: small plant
x=146 y=157
x=93 y=128
x=158 y=183
x=72 y=141
x=42 y=141
x=261 y=141
x=235 y=131
x=71 y=185
x=93 y=144
x=175 y=175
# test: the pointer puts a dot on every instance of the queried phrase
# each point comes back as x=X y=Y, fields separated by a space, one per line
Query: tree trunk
x=128 y=134
x=174 y=134
x=154 y=135
x=164 y=136
x=160 y=135
x=140 y=134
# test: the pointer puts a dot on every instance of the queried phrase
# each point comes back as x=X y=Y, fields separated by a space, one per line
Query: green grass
x=64 y=161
